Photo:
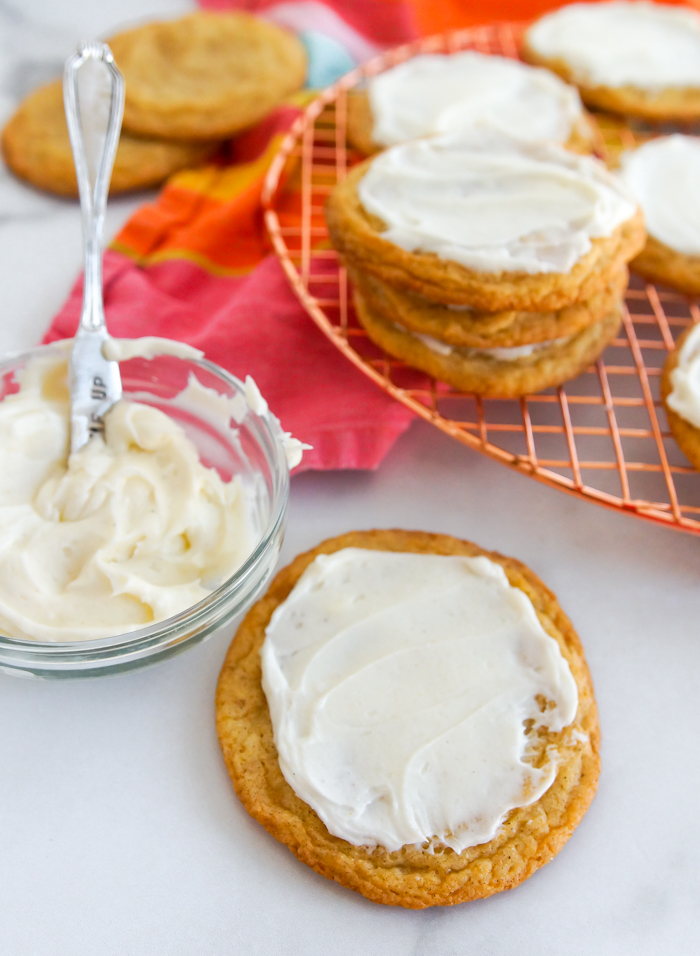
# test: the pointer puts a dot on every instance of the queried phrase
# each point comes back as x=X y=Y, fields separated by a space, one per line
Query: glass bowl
x=252 y=449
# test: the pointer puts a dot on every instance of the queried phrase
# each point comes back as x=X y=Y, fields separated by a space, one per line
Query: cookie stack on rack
x=491 y=263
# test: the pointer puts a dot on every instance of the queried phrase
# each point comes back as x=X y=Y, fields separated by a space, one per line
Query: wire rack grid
x=603 y=436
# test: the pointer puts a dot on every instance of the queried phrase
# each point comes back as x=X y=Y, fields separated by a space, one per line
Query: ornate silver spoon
x=94 y=109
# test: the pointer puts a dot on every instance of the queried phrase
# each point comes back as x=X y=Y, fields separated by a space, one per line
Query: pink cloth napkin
x=256 y=327
x=195 y=266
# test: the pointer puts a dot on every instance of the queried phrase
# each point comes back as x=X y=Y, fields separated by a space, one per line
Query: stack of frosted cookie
x=190 y=84
x=491 y=263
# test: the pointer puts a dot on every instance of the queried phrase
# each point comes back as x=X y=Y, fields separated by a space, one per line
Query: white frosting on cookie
x=684 y=397
x=664 y=175
x=646 y=45
x=493 y=203
x=434 y=93
x=501 y=354
x=400 y=687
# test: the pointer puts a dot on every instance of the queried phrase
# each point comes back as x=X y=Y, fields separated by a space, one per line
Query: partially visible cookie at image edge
x=36 y=147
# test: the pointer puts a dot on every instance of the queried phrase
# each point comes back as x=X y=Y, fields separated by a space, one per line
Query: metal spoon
x=93 y=126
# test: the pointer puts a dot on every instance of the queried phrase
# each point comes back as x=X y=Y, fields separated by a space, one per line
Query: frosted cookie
x=412 y=716
x=36 y=147
x=462 y=326
x=680 y=392
x=664 y=176
x=206 y=76
x=487 y=221
x=492 y=372
x=640 y=59
x=437 y=93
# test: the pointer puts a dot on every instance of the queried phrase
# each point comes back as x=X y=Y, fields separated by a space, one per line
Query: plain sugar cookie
x=206 y=76
x=36 y=147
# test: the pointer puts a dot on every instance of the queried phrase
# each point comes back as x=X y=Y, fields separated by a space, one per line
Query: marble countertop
x=120 y=831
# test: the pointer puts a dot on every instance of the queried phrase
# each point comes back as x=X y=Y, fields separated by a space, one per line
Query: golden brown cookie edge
x=671 y=104
x=140 y=163
x=658 y=262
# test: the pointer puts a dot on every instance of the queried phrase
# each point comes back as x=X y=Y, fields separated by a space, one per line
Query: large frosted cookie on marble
x=206 y=76
x=36 y=147
x=483 y=220
x=664 y=176
x=636 y=58
x=428 y=700
x=680 y=393
x=437 y=93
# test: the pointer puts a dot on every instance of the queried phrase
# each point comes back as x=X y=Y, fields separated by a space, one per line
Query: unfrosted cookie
x=681 y=396
x=640 y=59
x=36 y=147
x=663 y=174
x=206 y=76
x=486 y=221
x=412 y=876
x=493 y=373
x=434 y=93
x=473 y=329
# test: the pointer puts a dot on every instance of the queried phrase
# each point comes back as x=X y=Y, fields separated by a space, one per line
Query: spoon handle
x=94 y=109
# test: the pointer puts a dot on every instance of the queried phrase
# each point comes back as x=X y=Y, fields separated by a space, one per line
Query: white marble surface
x=120 y=833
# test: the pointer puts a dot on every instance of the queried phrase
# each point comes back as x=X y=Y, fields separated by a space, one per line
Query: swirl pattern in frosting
x=494 y=203
x=401 y=688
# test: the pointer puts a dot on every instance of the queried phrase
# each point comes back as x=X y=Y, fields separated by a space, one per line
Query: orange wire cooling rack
x=602 y=436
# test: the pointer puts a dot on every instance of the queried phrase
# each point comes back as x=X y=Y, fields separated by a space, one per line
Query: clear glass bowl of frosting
x=234 y=434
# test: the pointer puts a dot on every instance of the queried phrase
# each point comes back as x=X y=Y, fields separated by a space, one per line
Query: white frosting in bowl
x=646 y=45
x=684 y=397
x=401 y=688
x=493 y=203
x=130 y=530
x=433 y=93
x=664 y=175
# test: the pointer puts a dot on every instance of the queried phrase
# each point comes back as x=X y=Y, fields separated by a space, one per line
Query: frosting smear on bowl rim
x=493 y=203
x=406 y=692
